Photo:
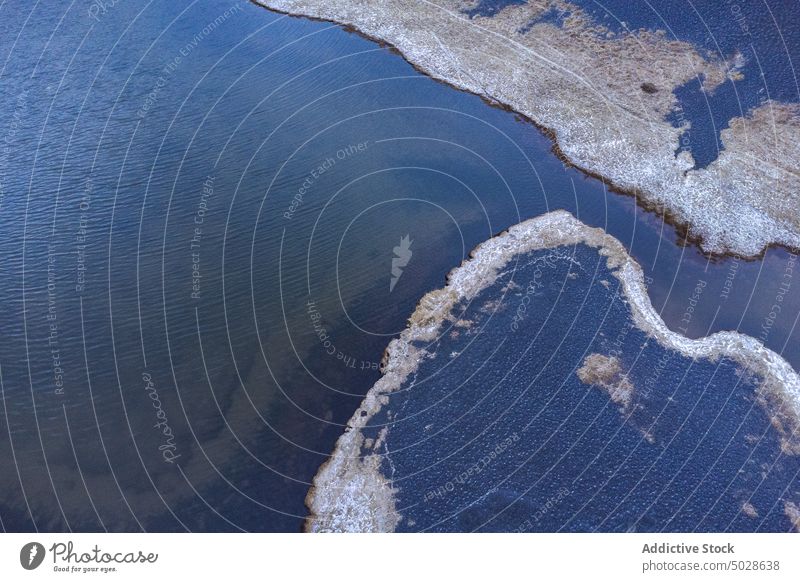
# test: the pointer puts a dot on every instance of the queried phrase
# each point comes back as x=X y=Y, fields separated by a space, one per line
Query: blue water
x=707 y=114
x=121 y=129
x=765 y=32
x=490 y=7
x=495 y=432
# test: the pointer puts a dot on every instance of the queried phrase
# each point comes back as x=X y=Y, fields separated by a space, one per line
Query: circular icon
x=31 y=555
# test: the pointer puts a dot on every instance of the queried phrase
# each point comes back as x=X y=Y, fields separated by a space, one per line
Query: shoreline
x=679 y=192
x=349 y=492
x=681 y=228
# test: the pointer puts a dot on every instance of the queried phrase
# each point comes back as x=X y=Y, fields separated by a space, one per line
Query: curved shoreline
x=351 y=494
x=741 y=204
x=681 y=228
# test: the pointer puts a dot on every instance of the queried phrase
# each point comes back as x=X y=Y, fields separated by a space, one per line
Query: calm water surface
x=200 y=204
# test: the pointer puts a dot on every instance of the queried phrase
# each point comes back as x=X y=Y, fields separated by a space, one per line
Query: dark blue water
x=490 y=7
x=199 y=208
x=495 y=432
x=766 y=33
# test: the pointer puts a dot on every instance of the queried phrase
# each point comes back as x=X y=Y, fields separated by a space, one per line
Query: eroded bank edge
x=349 y=491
